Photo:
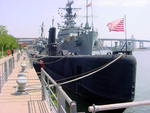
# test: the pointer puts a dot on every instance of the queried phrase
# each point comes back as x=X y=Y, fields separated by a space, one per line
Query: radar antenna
x=42 y=29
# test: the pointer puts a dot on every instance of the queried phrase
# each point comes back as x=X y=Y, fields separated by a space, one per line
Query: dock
x=24 y=103
x=39 y=95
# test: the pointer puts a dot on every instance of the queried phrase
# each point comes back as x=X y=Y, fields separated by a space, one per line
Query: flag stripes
x=117 y=25
x=89 y=5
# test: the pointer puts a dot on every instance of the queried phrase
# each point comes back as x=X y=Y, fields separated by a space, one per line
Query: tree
x=7 y=41
x=3 y=30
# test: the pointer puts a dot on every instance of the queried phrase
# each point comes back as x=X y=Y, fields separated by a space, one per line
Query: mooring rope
x=92 y=72
x=79 y=74
x=52 y=61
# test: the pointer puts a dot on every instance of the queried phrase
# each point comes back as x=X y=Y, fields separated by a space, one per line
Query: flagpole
x=87 y=23
x=92 y=15
x=125 y=31
x=86 y=11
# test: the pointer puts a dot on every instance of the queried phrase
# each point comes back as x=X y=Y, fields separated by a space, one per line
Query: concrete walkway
x=29 y=103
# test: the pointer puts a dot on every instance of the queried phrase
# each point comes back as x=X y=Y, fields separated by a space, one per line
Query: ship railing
x=55 y=96
x=6 y=68
x=97 y=108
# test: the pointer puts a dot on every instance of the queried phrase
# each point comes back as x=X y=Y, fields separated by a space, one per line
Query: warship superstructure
x=75 y=39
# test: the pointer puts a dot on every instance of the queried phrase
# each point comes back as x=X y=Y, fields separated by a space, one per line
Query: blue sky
x=24 y=17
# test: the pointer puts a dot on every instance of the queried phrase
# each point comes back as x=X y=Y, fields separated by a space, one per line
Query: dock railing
x=6 y=68
x=97 y=108
x=30 y=58
x=55 y=95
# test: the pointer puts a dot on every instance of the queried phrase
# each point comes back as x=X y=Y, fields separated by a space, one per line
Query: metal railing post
x=9 y=63
x=73 y=107
x=31 y=61
x=11 y=66
x=13 y=62
x=5 y=70
x=43 y=84
x=60 y=100
x=2 y=69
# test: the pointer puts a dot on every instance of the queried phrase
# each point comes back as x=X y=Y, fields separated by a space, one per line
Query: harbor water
x=142 y=91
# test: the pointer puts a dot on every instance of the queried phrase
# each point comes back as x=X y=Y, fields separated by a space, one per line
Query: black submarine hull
x=113 y=84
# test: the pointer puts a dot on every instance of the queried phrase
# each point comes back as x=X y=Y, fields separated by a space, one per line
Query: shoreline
x=141 y=49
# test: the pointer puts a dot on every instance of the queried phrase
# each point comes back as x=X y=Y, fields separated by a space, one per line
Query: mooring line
x=92 y=72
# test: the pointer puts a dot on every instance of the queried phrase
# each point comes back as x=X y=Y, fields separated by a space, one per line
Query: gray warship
x=41 y=43
x=76 y=39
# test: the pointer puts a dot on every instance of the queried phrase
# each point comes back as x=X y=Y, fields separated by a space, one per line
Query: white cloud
x=135 y=3
x=105 y=2
x=129 y=3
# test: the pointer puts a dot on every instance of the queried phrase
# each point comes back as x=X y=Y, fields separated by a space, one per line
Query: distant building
x=28 y=42
x=24 y=45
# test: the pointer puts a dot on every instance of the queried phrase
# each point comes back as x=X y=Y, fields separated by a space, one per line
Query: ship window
x=73 y=34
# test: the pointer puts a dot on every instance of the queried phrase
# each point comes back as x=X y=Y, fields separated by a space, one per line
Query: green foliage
x=7 y=41
x=4 y=54
x=54 y=100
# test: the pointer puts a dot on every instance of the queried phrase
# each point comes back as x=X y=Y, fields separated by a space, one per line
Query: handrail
x=97 y=108
x=6 y=68
x=61 y=95
x=30 y=58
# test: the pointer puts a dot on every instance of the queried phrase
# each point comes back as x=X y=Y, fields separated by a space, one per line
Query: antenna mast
x=42 y=29
x=87 y=23
x=53 y=22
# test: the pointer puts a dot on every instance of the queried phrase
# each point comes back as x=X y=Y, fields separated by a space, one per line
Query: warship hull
x=113 y=84
x=81 y=44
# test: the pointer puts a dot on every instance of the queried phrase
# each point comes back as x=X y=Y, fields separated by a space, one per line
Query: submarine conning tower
x=52 y=46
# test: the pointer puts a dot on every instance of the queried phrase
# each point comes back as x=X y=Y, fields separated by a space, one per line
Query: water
x=142 y=91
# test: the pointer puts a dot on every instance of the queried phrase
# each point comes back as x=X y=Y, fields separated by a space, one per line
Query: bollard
x=21 y=88
x=22 y=75
x=21 y=81
x=23 y=65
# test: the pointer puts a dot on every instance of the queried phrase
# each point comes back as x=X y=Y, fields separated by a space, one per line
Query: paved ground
x=29 y=103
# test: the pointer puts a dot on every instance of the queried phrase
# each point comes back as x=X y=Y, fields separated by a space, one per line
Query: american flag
x=117 y=25
x=89 y=5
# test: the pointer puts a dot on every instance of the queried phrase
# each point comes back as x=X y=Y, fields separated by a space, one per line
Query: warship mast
x=42 y=30
x=69 y=17
x=87 y=23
